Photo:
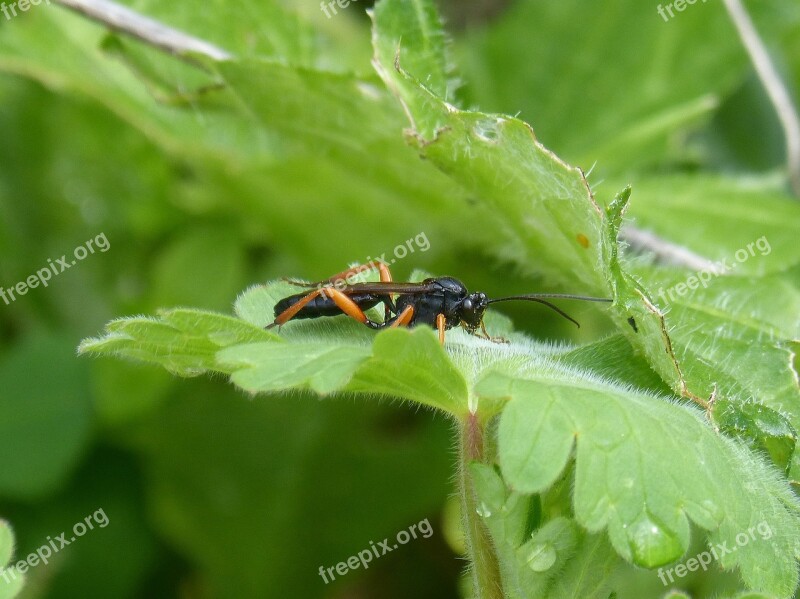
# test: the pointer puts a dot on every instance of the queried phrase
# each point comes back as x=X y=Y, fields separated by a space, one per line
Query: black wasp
x=441 y=302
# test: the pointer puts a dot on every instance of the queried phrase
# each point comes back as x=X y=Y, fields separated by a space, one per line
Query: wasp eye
x=467 y=304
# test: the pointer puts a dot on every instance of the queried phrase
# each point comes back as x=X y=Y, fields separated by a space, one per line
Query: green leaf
x=749 y=310
x=183 y=341
x=255 y=140
x=401 y=363
x=420 y=49
x=269 y=367
x=528 y=564
x=558 y=560
x=12 y=580
x=589 y=573
x=546 y=206
x=743 y=349
x=348 y=119
x=622 y=91
x=752 y=216
x=764 y=429
x=6 y=543
x=260 y=29
x=412 y=365
x=628 y=478
x=614 y=358
x=716 y=364
x=551 y=220
x=545 y=553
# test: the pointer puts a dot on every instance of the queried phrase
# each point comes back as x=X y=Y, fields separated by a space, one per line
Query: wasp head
x=471 y=310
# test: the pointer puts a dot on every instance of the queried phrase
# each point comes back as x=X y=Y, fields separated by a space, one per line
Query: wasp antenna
x=535 y=296
x=538 y=297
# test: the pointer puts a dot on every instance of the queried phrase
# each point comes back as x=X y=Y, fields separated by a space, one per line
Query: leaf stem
x=773 y=84
x=480 y=549
x=123 y=19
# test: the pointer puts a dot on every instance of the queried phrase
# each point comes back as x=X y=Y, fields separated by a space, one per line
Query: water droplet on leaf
x=184 y=371
x=651 y=543
x=487 y=131
x=541 y=557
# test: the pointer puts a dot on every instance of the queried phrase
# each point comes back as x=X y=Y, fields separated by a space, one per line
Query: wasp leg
x=440 y=325
x=344 y=303
x=385 y=277
x=292 y=310
x=383 y=269
x=388 y=303
x=349 y=307
x=342 y=277
x=402 y=319
x=489 y=337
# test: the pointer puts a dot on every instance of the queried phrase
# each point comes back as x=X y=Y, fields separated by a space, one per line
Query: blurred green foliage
x=201 y=192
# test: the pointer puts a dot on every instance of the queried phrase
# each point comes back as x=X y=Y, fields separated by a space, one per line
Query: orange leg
x=385 y=276
x=341 y=278
x=292 y=310
x=344 y=303
x=403 y=318
x=383 y=269
x=347 y=305
x=490 y=338
x=440 y=324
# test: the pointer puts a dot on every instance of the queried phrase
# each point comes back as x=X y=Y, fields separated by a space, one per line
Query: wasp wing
x=387 y=287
